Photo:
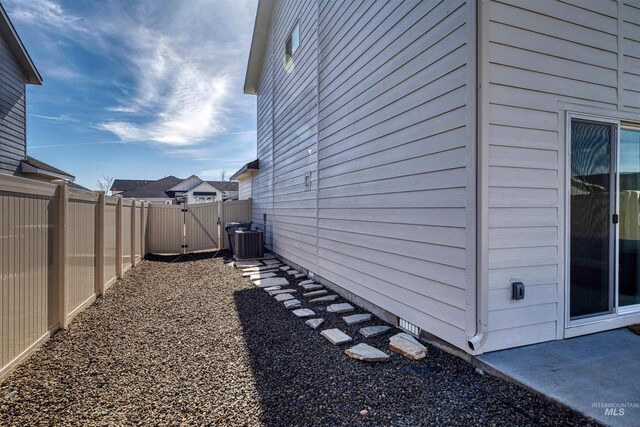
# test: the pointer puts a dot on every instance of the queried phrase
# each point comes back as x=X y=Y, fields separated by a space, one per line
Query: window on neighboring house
x=292 y=43
x=204 y=199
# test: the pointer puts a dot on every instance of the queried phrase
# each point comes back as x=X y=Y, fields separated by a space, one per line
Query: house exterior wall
x=379 y=110
x=13 y=147
x=542 y=60
x=245 y=188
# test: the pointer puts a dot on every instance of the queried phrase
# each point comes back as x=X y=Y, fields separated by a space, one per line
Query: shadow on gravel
x=198 y=256
x=304 y=380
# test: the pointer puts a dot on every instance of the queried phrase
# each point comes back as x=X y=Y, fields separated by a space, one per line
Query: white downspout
x=482 y=185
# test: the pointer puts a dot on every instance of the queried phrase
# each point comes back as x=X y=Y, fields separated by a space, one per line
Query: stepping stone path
x=253 y=273
x=373 y=331
x=327 y=298
x=247 y=264
x=271 y=281
x=340 y=308
x=307 y=282
x=311 y=287
x=257 y=269
x=283 y=297
x=336 y=336
x=315 y=293
x=407 y=346
x=282 y=291
x=271 y=262
x=284 y=268
x=292 y=303
x=261 y=276
x=303 y=312
x=357 y=318
x=272 y=288
x=314 y=323
x=367 y=353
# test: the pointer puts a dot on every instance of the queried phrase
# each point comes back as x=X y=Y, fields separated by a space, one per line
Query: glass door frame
x=616 y=312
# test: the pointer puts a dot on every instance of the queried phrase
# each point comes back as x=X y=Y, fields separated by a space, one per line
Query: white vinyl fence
x=61 y=247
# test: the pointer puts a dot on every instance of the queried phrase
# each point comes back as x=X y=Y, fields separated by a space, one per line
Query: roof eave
x=258 y=46
x=32 y=76
x=246 y=171
x=30 y=169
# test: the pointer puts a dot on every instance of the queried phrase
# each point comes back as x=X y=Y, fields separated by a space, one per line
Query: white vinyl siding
x=287 y=139
x=12 y=112
x=394 y=158
x=244 y=188
x=540 y=54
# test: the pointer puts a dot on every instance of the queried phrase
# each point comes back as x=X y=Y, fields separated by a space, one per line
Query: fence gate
x=177 y=229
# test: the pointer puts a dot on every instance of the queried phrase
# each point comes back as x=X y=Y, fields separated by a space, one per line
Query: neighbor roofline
x=251 y=168
x=32 y=76
x=258 y=46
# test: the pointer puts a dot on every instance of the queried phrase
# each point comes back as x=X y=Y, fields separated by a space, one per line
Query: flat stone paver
x=357 y=318
x=284 y=268
x=314 y=323
x=283 y=297
x=367 y=353
x=292 y=303
x=272 y=288
x=373 y=331
x=247 y=264
x=326 y=298
x=345 y=307
x=257 y=269
x=261 y=276
x=253 y=273
x=312 y=286
x=299 y=275
x=315 y=293
x=292 y=272
x=407 y=346
x=282 y=291
x=306 y=282
x=271 y=281
x=336 y=336
x=271 y=262
x=304 y=312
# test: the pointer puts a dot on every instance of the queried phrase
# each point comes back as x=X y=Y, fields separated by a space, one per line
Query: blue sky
x=139 y=88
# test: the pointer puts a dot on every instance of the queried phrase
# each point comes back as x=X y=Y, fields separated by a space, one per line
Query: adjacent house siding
x=541 y=54
x=244 y=188
x=12 y=112
x=395 y=158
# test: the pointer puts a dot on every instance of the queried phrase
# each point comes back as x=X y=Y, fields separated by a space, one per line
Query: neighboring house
x=244 y=177
x=417 y=155
x=172 y=190
x=16 y=71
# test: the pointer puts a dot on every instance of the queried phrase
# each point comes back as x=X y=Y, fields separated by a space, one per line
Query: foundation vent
x=408 y=327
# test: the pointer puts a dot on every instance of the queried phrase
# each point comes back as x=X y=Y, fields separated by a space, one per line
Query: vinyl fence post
x=119 y=238
x=100 y=208
x=142 y=227
x=61 y=225
x=223 y=235
x=133 y=233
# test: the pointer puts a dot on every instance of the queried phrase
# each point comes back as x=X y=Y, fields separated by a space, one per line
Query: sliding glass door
x=592 y=206
x=604 y=264
x=629 y=228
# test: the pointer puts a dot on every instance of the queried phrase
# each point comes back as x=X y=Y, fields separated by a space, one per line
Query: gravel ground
x=192 y=342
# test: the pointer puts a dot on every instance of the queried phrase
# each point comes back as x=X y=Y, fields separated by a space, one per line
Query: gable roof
x=154 y=189
x=224 y=185
x=128 y=184
x=33 y=165
x=258 y=46
x=32 y=76
x=186 y=184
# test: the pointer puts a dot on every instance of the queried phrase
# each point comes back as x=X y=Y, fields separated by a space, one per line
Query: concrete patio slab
x=596 y=374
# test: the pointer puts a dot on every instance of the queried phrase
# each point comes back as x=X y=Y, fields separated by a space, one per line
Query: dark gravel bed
x=192 y=342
